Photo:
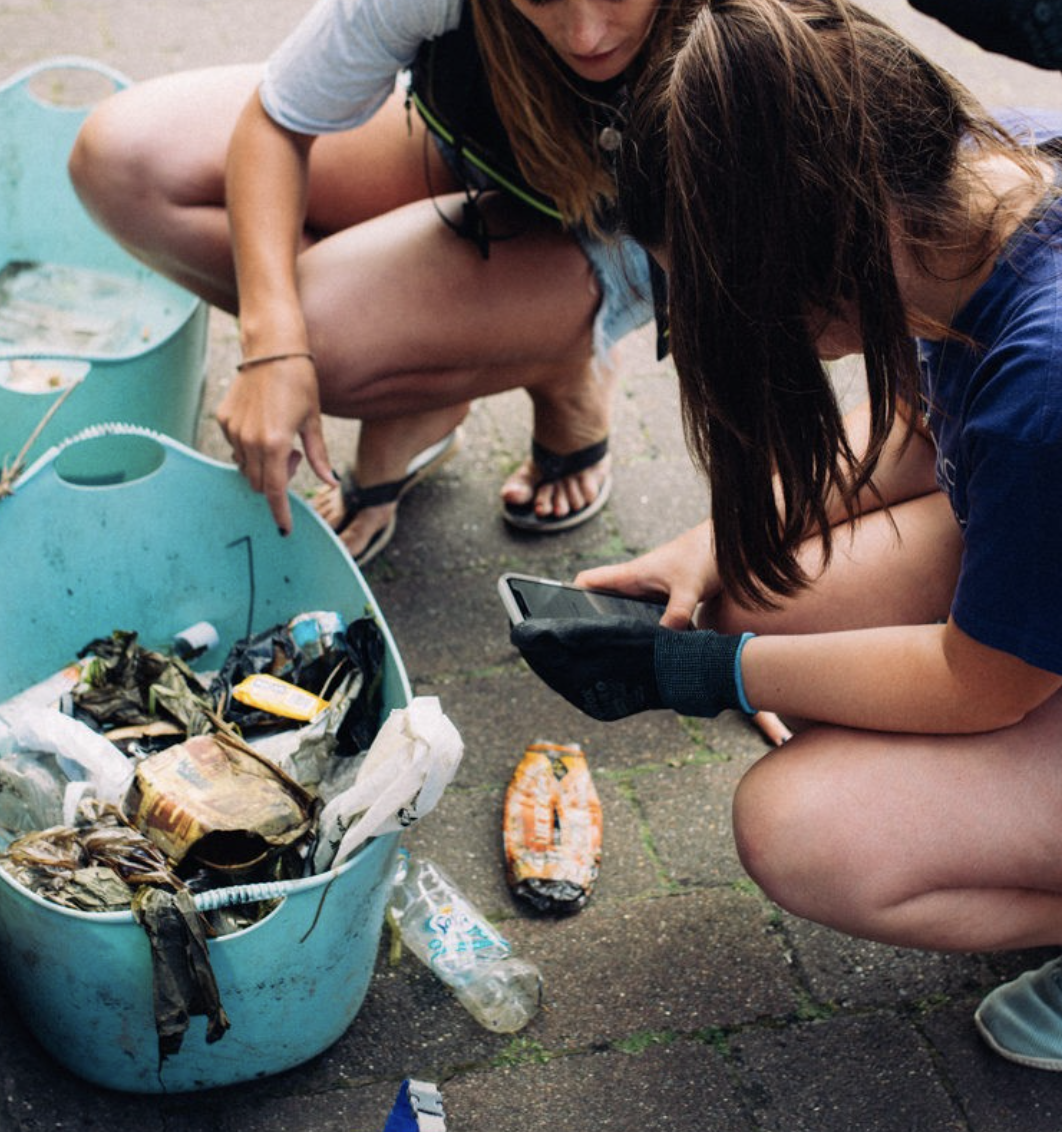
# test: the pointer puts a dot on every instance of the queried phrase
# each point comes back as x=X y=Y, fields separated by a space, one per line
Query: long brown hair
x=553 y=137
x=771 y=159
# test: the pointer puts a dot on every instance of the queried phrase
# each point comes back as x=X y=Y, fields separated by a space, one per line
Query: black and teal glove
x=612 y=667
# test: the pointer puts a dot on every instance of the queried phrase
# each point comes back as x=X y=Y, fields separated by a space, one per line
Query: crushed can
x=552 y=828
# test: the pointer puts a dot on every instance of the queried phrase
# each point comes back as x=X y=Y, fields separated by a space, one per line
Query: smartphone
x=525 y=596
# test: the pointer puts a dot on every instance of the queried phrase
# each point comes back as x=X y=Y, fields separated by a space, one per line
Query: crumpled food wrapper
x=310 y=753
x=218 y=802
x=551 y=831
x=411 y=762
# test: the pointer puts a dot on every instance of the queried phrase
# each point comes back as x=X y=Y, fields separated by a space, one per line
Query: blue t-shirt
x=995 y=412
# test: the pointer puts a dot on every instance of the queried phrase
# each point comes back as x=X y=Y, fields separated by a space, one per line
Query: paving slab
x=872 y=1073
x=995 y=1095
x=675 y=1085
x=680 y=998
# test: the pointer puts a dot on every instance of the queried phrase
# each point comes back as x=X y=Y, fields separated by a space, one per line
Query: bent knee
x=134 y=158
x=105 y=158
x=792 y=833
x=81 y=163
x=762 y=818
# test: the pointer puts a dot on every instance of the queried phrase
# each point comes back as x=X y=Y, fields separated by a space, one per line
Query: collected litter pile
x=129 y=781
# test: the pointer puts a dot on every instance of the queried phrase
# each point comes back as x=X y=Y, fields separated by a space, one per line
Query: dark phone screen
x=538 y=599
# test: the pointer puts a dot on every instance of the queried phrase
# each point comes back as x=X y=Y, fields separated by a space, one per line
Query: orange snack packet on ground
x=552 y=828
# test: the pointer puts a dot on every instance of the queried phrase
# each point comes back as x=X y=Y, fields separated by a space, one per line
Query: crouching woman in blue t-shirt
x=895 y=579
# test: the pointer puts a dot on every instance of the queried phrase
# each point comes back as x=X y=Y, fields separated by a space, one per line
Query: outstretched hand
x=612 y=667
x=263 y=412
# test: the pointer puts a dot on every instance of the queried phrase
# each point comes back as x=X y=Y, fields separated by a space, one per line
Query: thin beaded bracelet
x=250 y=363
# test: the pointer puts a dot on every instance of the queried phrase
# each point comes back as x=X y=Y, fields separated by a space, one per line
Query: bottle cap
x=195 y=640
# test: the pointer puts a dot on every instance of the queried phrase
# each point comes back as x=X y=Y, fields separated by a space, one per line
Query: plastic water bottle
x=453 y=938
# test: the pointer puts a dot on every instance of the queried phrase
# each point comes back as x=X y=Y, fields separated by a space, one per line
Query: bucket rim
x=193 y=308
x=216 y=897
x=63 y=62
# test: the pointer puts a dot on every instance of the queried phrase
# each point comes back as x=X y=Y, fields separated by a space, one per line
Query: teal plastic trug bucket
x=121 y=528
x=291 y=984
x=78 y=315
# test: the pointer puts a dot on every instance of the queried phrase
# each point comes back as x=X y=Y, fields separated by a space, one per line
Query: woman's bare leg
x=947 y=842
x=943 y=842
x=149 y=165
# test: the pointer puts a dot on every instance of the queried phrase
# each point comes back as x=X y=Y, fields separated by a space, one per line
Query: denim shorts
x=620 y=266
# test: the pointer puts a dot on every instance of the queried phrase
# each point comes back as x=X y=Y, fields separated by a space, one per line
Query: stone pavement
x=679 y=998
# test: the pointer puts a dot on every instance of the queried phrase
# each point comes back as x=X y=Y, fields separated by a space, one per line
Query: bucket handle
x=215 y=898
x=24 y=77
x=169 y=447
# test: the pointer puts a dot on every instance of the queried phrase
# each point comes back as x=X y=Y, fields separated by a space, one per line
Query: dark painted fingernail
x=283 y=533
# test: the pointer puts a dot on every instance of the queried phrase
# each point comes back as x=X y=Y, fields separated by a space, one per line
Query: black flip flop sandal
x=553 y=468
x=356 y=498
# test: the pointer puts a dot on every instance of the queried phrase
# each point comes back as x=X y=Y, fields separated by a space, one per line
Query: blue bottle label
x=456 y=938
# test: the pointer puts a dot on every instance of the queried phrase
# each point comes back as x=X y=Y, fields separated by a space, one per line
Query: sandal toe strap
x=554 y=467
x=357 y=498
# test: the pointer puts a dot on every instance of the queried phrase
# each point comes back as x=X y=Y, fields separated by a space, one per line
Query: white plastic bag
x=411 y=762
x=83 y=755
x=31 y=790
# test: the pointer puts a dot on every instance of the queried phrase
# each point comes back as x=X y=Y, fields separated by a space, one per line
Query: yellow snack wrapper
x=279 y=697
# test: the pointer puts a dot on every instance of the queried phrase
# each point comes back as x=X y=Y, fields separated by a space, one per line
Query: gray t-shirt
x=340 y=63
x=339 y=66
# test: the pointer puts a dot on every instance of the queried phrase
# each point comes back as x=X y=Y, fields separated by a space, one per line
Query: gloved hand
x=611 y=667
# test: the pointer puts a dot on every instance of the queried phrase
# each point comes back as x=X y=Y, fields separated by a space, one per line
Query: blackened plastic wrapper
x=127 y=691
x=183 y=981
x=552 y=828
x=94 y=865
x=102 y=864
x=359 y=649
